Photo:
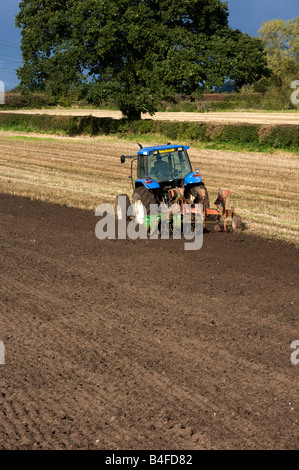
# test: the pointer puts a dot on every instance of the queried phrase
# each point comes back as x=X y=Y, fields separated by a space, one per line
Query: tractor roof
x=148 y=150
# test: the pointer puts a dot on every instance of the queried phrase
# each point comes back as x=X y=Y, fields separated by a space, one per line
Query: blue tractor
x=165 y=176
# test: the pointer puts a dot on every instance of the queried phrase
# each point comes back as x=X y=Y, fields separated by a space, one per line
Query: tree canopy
x=137 y=52
x=281 y=39
x=281 y=42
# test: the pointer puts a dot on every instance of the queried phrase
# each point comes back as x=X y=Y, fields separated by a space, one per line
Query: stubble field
x=86 y=172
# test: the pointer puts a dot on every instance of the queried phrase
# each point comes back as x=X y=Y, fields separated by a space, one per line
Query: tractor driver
x=161 y=167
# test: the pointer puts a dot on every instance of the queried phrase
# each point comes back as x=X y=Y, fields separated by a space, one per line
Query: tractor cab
x=163 y=164
x=162 y=167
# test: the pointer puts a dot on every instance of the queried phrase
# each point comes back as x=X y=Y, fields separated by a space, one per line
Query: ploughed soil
x=140 y=344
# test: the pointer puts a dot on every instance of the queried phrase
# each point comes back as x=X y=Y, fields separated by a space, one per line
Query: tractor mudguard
x=148 y=183
x=192 y=178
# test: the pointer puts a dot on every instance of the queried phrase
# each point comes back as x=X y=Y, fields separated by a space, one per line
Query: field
x=122 y=344
x=86 y=172
x=140 y=344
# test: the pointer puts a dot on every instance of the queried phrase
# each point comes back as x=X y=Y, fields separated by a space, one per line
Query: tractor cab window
x=141 y=169
x=170 y=165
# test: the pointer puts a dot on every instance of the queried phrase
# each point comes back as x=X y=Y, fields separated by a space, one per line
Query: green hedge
x=272 y=136
x=31 y=100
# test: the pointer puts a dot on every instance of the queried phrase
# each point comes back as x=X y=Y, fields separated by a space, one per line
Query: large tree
x=136 y=52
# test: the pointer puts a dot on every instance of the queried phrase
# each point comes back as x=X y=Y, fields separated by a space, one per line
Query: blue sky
x=246 y=15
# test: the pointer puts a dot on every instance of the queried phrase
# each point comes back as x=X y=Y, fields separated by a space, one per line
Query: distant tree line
x=281 y=42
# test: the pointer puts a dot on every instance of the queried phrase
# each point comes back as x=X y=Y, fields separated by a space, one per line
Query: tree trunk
x=131 y=113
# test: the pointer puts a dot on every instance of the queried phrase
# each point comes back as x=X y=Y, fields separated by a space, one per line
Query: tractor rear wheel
x=142 y=200
x=194 y=197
